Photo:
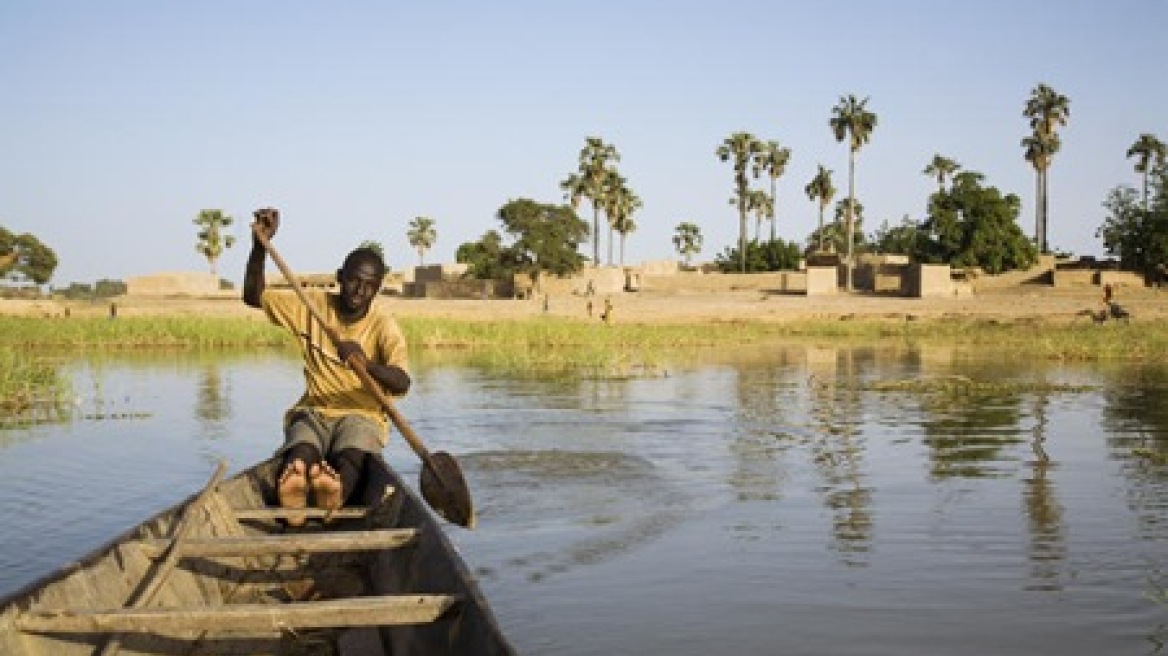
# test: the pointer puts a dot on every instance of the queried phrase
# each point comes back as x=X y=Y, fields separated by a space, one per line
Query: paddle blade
x=444 y=488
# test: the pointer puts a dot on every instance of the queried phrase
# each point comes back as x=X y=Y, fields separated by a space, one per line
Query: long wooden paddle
x=443 y=485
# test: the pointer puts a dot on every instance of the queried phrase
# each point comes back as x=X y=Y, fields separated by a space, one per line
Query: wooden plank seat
x=388 y=610
x=274 y=513
x=296 y=543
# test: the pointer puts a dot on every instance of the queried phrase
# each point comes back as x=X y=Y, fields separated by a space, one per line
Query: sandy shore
x=1030 y=304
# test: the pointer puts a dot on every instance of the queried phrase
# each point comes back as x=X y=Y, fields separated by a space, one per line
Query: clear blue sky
x=120 y=120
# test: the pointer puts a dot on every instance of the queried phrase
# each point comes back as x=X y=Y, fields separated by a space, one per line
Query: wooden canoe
x=221 y=574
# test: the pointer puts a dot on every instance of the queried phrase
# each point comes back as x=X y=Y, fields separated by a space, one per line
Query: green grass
x=84 y=334
x=558 y=346
x=28 y=382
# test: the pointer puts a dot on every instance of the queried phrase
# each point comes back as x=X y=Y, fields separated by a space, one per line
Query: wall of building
x=173 y=284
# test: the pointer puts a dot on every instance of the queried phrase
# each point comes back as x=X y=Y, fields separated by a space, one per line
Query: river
x=789 y=499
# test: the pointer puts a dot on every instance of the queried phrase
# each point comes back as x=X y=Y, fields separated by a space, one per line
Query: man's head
x=360 y=280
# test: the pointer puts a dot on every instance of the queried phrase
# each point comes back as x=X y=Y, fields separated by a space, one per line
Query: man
x=337 y=422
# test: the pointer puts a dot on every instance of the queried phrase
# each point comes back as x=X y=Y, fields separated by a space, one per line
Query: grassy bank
x=27 y=382
x=550 y=345
x=589 y=340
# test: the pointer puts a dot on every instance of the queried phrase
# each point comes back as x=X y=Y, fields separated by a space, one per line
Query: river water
x=790 y=499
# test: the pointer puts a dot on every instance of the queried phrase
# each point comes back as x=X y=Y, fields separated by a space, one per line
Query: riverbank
x=1026 y=304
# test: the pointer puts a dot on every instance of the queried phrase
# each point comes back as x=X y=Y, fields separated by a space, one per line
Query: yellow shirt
x=331 y=387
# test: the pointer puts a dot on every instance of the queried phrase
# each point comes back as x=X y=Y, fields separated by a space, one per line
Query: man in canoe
x=337 y=422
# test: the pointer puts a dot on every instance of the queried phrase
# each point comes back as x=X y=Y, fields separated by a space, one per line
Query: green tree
x=941 y=168
x=974 y=226
x=1047 y=110
x=897 y=240
x=107 y=288
x=23 y=256
x=851 y=120
x=422 y=236
x=374 y=246
x=687 y=239
x=821 y=192
x=212 y=240
x=741 y=148
x=775 y=255
x=1150 y=153
x=1138 y=236
x=772 y=160
x=591 y=182
x=836 y=232
x=486 y=258
x=546 y=239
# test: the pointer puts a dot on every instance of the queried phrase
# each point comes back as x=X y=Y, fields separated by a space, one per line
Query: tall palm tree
x=590 y=182
x=1039 y=151
x=941 y=168
x=742 y=148
x=687 y=239
x=422 y=236
x=773 y=161
x=851 y=120
x=759 y=202
x=621 y=203
x=1047 y=110
x=821 y=190
x=1151 y=152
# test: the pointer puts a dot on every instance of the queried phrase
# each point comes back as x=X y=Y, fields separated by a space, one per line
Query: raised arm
x=268 y=221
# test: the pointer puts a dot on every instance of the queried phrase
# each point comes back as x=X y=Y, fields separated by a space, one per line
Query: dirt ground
x=1028 y=303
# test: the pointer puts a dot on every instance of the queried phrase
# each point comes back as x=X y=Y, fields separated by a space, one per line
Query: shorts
x=331 y=436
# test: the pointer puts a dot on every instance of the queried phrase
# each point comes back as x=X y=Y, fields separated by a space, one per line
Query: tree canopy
x=422 y=235
x=1135 y=232
x=974 y=226
x=212 y=241
x=24 y=257
x=546 y=239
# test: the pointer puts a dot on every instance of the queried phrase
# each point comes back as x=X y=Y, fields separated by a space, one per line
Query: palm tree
x=212 y=242
x=1039 y=150
x=820 y=189
x=1046 y=109
x=422 y=236
x=851 y=120
x=941 y=168
x=1151 y=153
x=620 y=203
x=687 y=239
x=773 y=161
x=590 y=182
x=759 y=202
x=742 y=147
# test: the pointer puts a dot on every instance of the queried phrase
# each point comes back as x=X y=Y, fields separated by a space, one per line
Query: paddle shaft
x=358 y=366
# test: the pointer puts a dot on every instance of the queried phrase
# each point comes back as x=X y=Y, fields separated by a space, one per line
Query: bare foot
x=326 y=485
x=293 y=491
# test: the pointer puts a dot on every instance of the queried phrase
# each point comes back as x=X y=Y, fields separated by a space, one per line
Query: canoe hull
x=427 y=564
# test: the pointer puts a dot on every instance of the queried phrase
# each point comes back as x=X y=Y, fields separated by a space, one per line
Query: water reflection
x=837 y=447
x=821 y=511
x=213 y=402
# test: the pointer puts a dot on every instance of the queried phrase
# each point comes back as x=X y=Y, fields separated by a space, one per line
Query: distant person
x=1107 y=294
x=337 y=423
x=606 y=316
